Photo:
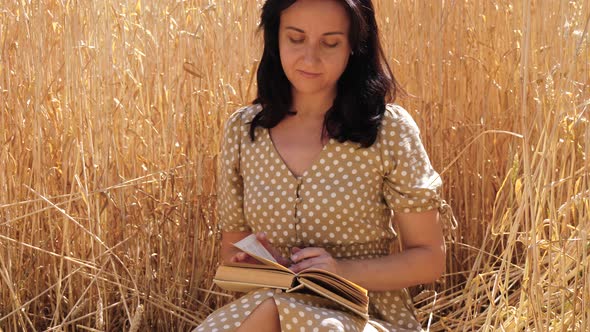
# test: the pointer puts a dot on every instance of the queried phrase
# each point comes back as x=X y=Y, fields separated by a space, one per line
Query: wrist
x=346 y=269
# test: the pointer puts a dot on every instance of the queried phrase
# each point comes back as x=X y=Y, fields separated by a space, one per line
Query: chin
x=308 y=88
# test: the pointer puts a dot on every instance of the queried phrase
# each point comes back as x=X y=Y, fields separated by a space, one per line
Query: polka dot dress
x=343 y=202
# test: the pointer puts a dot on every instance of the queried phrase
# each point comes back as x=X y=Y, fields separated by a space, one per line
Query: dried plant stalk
x=110 y=116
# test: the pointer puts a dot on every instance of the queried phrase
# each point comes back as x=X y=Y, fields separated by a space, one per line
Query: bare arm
x=421 y=261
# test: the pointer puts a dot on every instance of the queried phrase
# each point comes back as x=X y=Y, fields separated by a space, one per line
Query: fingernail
x=294 y=258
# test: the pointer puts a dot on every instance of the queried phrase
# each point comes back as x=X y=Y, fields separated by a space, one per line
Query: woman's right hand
x=242 y=257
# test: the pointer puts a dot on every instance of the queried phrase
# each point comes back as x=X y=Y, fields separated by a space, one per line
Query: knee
x=269 y=307
x=266 y=310
x=264 y=318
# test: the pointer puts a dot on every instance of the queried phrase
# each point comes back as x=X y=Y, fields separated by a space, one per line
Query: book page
x=254 y=248
x=253 y=274
x=238 y=286
x=360 y=309
x=338 y=287
x=326 y=275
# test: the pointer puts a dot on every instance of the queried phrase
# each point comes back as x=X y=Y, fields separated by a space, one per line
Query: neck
x=312 y=105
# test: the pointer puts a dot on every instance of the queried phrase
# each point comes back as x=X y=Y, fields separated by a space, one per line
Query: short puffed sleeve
x=230 y=185
x=410 y=182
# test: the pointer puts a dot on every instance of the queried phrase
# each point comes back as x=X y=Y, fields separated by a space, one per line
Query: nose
x=311 y=54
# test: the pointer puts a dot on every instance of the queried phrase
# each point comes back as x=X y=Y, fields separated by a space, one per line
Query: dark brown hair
x=363 y=89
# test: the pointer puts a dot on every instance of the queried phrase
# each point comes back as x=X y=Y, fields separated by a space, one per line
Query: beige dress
x=343 y=202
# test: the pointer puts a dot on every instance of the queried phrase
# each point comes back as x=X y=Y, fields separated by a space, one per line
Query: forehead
x=316 y=15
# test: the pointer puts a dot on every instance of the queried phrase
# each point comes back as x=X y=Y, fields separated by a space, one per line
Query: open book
x=244 y=277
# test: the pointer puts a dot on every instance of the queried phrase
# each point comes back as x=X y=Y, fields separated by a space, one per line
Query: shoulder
x=396 y=120
x=243 y=116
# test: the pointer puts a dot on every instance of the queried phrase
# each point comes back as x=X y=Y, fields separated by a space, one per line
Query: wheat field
x=110 y=115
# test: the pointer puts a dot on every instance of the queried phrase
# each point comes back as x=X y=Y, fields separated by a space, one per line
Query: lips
x=308 y=74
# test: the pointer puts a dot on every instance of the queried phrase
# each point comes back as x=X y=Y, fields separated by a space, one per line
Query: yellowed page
x=249 y=274
x=360 y=309
x=236 y=286
x=328 y=274
x=254 y=248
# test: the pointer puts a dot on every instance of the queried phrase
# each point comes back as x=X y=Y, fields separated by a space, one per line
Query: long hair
x=363 y=89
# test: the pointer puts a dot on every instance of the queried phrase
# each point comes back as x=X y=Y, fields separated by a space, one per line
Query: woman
x=317 y=166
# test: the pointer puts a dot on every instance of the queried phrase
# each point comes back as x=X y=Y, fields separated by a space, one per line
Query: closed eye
x=296 y=41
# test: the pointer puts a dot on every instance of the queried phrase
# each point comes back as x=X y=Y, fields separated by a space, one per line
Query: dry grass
x=109 y=121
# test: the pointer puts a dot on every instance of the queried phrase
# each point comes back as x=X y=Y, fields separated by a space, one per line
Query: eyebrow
x=325 y=34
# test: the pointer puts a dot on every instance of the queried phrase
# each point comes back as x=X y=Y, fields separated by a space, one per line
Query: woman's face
x=313 y=44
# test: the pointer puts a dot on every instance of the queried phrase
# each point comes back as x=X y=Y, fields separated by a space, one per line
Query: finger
x=261 y=236
x=242 y=257
x=236 y=258
x=307 y=253
x=308 y=263
x=295 y=250
x=245 y=258
x=251 y=260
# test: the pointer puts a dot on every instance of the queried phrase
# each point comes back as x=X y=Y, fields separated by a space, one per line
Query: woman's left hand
x=313 y=257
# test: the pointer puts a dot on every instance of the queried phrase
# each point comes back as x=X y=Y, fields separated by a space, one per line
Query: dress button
x=299 y=200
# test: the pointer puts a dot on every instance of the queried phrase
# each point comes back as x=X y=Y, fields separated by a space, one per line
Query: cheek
x=287 y=59
x=338 y=65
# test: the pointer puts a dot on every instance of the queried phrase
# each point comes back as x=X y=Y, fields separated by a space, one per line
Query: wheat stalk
x=110 y=116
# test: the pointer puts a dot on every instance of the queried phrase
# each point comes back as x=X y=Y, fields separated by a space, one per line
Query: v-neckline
x=316 y=159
